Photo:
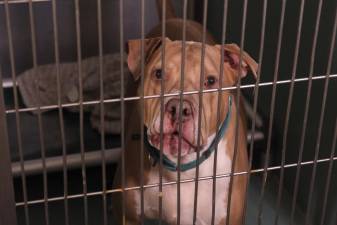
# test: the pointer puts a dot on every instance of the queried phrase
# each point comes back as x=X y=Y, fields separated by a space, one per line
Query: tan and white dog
x=189 y=131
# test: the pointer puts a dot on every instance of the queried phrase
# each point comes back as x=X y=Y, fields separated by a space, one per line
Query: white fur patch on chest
x=205 y=190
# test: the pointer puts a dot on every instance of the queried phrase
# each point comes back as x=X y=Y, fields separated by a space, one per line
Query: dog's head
x=171 y=76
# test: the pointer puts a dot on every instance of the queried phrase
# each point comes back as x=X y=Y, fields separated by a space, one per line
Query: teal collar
x=172 y=166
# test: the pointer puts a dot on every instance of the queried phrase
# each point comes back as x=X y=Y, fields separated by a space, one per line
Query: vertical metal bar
x=201 y=88
x=39 y=116
x=17 y=114
x=271 y=116
x=321 y=119
x=290 y=97
x=328 y=178
x=182 y=79
x=256 y=95
x=7 y=199
x=162 y=92
x=238 y=97
x=121 y=48
x=183 y=54
x=306 y=112
x=60 y=113
x=142 y=53
x=102 y=109
x=219 y=106
x=80 y=81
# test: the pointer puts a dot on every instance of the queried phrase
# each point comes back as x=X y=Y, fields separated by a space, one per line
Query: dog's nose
x=173 y=109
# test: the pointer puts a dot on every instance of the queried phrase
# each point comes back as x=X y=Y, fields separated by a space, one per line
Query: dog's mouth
x=179 y=132
x=173 y=144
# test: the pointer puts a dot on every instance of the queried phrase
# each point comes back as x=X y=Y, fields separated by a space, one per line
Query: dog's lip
x=176 y=133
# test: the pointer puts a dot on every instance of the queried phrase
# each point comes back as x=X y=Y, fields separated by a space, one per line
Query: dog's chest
x=187 y=190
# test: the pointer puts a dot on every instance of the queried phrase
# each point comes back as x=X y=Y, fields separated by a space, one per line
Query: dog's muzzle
x=156 y=155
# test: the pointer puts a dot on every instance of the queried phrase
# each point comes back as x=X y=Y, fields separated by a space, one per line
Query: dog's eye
x=210 y=81
x=158 y=74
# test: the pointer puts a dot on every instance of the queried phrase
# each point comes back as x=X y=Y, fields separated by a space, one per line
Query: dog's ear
x=232 y=58
x=133 y=49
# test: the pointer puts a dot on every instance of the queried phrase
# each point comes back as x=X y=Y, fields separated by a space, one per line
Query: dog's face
x=171 y=76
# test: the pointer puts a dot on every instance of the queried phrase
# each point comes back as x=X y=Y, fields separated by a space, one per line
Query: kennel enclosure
x=293 y=133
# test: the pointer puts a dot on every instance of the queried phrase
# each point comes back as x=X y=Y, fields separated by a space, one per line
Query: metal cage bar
x=322 y=113
x=136 y=98
x=237 y=120
x=142 y=58
x=271 y=115
x=102 y=109
x=256 y=95
x=289 y=104
x=219 y=96
x=162 y=95
x=219 y=176
x=328 y=179
x=39 y=116
x=329 y=175
x=122 y=104
x=81 y=135
x=3 y=2
x=306 y=112
x=17 y=114
x=200 y=100
x=182 y=75
x=72 y=161
x=60 y=114
x=7 y=201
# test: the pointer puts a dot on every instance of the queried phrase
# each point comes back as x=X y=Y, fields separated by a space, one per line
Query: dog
x=212 y=133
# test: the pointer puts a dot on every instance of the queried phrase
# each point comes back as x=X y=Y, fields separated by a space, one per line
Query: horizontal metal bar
x=85 y=103
x=22 y=1
x=93 y=158
x=258 y=136
x=92 y=194
x=7 y=83
x=73 y=161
